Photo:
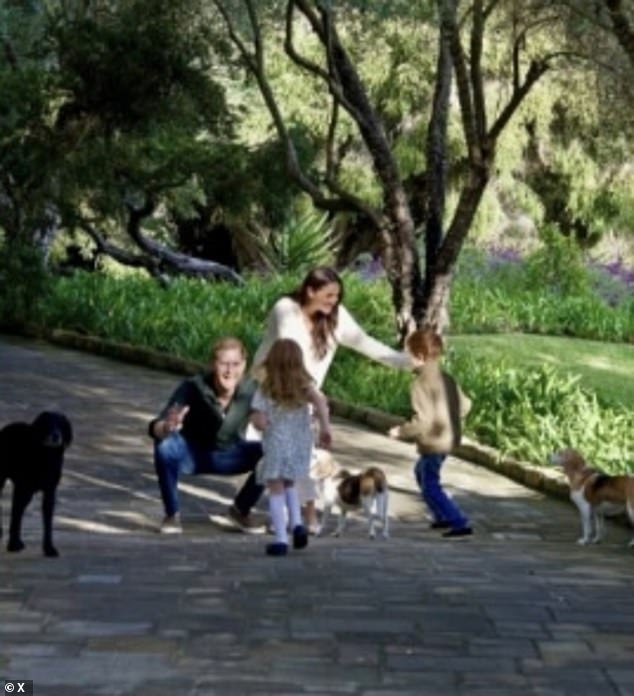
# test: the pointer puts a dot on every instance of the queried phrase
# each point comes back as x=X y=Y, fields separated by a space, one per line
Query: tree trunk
x=396 y=229
x=434 y=301
x=622 y=28
x=403 y=271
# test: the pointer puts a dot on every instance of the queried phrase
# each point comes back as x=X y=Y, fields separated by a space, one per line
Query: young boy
x=439 y=406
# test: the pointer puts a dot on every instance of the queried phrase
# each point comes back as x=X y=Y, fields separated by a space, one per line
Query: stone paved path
x=517 y=609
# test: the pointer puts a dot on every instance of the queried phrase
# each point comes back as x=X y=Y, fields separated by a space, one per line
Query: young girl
x=281 y=410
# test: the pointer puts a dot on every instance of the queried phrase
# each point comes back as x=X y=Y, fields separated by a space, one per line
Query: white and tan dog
x=595 y=494
x=367 y=490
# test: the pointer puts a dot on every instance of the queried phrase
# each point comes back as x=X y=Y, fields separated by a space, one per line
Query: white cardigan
x=286 y=320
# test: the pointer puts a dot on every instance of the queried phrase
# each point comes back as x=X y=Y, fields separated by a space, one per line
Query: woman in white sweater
x=314 y=317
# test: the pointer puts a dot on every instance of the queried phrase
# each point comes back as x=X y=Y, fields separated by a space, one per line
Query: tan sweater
x=439 y=405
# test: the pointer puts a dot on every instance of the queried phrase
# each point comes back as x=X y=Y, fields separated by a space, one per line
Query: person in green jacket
x=201 y=431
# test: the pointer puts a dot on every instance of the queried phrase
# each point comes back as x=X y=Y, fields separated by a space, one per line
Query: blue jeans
x=441 y=506
x=174 y=456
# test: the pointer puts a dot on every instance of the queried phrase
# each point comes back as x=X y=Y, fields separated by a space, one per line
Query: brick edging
x=537 y=478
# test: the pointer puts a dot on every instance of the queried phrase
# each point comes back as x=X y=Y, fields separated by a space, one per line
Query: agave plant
x=301 y=243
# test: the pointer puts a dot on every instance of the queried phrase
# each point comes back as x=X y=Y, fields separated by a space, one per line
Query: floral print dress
x=287 y=442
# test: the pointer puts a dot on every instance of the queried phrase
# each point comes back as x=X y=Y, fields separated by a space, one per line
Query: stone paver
x=517 y=609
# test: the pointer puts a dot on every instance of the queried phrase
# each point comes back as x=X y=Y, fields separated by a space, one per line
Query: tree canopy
x=186 y=138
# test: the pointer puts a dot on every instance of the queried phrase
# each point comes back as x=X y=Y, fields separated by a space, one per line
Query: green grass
x=605 y=368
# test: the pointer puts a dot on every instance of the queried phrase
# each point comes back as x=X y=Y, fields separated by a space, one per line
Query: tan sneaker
x=245 y=523
x=171 y=524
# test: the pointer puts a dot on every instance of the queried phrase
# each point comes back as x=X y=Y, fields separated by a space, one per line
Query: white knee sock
x=277 y=510
x=294 y=509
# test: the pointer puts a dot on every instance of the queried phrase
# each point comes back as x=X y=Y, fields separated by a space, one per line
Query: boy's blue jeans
x=442 y=507
x=174 y=456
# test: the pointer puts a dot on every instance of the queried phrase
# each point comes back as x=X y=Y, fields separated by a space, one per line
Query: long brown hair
x=324 y=325
x=284 y=378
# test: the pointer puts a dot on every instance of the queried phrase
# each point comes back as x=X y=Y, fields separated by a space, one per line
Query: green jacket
x=206 y=424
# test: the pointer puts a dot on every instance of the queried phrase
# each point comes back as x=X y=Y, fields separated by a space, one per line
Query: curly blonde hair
x=283 y=377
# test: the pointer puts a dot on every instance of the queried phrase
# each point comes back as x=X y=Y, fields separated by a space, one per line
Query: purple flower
x=368 y=266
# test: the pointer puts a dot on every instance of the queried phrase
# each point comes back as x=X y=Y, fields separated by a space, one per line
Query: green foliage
x=602 y=368
x=105 y=107
x=108 y=104
x=106 y=59
x=557 y=265
x=535 y=298
x=303 y=242
x=182 y=318
x=530 y=413
x=24 y=283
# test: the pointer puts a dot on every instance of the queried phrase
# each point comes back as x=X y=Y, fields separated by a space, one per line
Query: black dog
x=32 y=456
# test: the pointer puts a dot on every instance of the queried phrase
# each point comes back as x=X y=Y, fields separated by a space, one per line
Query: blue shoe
x=277 y=548
x=300 y=537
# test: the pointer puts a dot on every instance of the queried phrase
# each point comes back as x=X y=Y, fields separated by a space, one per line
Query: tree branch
x=255 y=63
x=289 y=47
x=156 y=257
x=622 y=28
x=123 y=256
x=535 y=71
x=464 y=92
x=477 y=85
x=189 y=265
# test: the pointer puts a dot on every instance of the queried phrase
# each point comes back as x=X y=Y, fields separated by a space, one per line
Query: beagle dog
x=367 y=490
x=595 y=494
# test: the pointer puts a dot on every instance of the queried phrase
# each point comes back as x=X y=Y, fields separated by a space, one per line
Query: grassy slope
x=606 y=368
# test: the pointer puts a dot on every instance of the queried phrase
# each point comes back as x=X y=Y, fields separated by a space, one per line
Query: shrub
x=530 y=413
x=558 y=265
x=24 y=283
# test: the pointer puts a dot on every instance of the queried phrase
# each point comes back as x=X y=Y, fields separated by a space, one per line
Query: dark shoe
x=300 y=537
x=276 y=549
x=459 y=532
x=244 y=523
x=440 y=524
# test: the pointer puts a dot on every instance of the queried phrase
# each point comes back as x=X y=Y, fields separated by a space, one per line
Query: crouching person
x=201 y=431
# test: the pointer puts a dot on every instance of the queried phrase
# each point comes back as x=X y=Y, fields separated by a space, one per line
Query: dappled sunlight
x=122 y=447
x=599 y=362
x=136 y=518
x=108 y=484
x=82 y=525
x=204 y=493
x=190 y=489
x=465 y=485
x=594 y=361
x=548 y=358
